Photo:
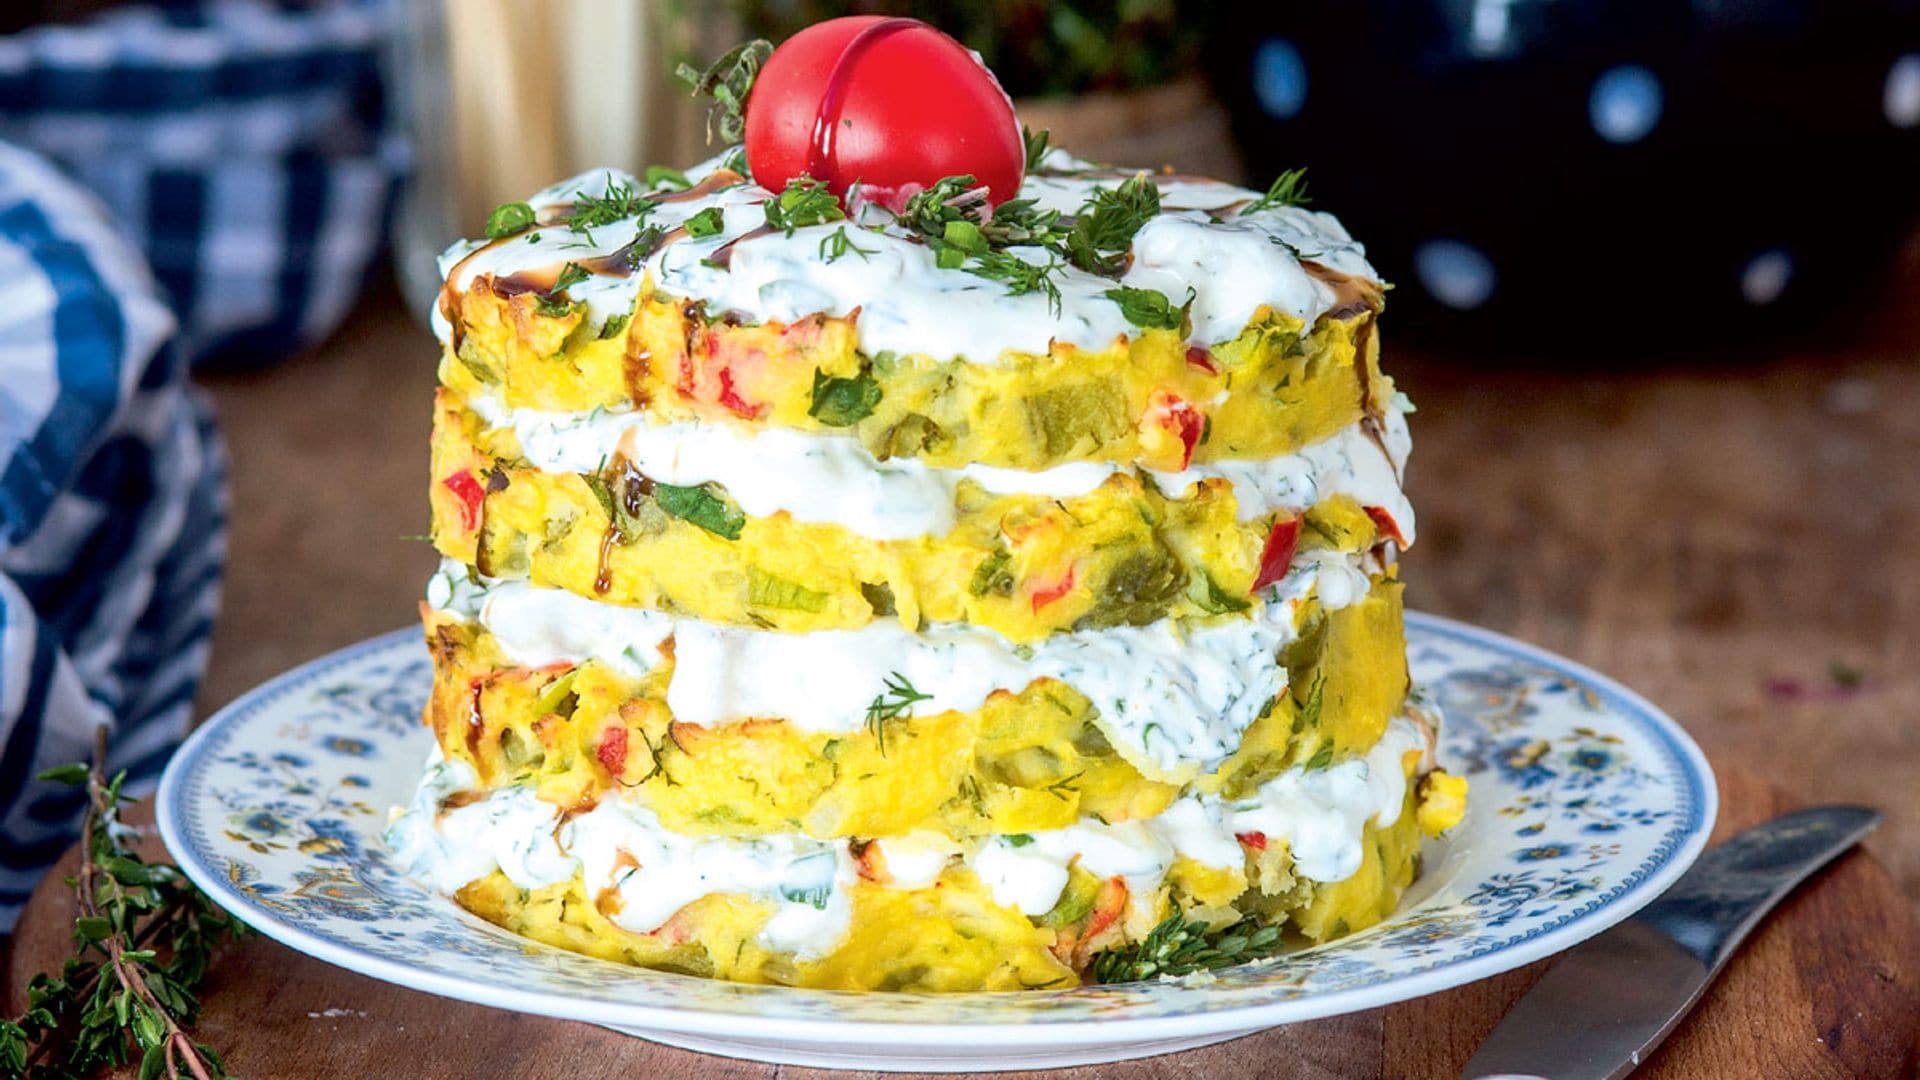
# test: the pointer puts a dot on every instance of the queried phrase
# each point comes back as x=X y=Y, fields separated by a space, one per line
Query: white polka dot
x=1279 y=78
x=1625 y=104
x=1902 y=96
x=1455 y=274
x=1765 y=277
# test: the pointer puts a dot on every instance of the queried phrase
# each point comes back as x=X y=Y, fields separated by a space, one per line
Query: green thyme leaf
x=1150 y=309
x=805 y=201
x=662 y=177
x=837 y=243
x=843 y=402
x=1288 y=189
x=727 y=81
x=509 y=218
x=892 y=704
x=1036 y=143
x=704 y=506
x=66 y=774
x=570 y=275
x=1321 y=758
x=708 y=222
x=1017 y=840
x=1019 y=276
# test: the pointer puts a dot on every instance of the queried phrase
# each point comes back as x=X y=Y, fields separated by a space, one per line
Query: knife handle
x=1719 y=901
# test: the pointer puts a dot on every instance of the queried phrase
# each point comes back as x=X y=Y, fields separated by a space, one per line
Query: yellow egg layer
x=1150 y=399
x=1026 y=566
x=1026 y=761
x=951 y=936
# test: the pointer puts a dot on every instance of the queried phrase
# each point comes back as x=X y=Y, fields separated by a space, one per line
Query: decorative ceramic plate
x=1587 y=801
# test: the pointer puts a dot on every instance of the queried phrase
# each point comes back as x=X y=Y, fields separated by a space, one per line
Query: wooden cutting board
x=1829 y=987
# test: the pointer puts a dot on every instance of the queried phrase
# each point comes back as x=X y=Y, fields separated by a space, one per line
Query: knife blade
x=1599 y=1011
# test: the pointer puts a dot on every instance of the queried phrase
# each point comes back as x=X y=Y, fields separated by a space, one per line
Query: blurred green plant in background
x=1037 y=48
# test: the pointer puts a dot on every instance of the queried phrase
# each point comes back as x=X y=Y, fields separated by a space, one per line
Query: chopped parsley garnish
x=1104 y=228
x=1017 y=840
x=701 y=506
x=1321 y=758
x=949 y=216
x=614 y=327
x=805 y=201
x=509 y=218
x=837 y=243
x=708 y=222
x=1150 y=309
x=843 y=402
x=1288 y=189
x=1179 y=947
x=894 y=703
x=727 y=81
x=661 y=176
x=617 y=203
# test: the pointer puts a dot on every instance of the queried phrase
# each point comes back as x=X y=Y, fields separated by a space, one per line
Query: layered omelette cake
x=953 y=596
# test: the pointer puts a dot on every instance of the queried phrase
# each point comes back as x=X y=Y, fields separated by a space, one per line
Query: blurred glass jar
x=502 y=98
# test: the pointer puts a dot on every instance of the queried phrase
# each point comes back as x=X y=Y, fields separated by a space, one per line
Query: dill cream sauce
x=904 y=298
x=1319 y=813
x=833 y=479
x=1173 y=700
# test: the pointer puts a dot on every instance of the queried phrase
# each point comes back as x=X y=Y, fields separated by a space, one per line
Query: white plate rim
x=1034 y=1033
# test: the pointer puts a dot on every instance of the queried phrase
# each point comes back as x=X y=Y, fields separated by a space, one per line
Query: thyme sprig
x=618 y=202
x=1181 y=947
x=727 y=81
x=1288 y=189
x=1103 y=229
x=144 y=937
x=893 y=704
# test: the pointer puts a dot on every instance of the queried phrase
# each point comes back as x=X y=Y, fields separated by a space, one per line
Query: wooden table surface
x=1829 y=987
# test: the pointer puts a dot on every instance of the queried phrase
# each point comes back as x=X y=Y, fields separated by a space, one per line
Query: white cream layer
x=1173 y=700
x=909 y=305
x=1318 y=814
x=833 y=479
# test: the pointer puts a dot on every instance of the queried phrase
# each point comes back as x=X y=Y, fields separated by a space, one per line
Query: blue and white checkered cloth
x=239 y=143
x=112 y=514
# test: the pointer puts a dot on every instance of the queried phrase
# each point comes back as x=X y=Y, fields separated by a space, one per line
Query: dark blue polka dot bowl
x=1647 y=175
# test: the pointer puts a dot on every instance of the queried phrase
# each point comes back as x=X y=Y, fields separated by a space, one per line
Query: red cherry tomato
x=892 y=104
x=1277 y=553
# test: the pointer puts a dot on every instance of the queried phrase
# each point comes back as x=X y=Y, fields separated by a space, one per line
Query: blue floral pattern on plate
x=1586 y=801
